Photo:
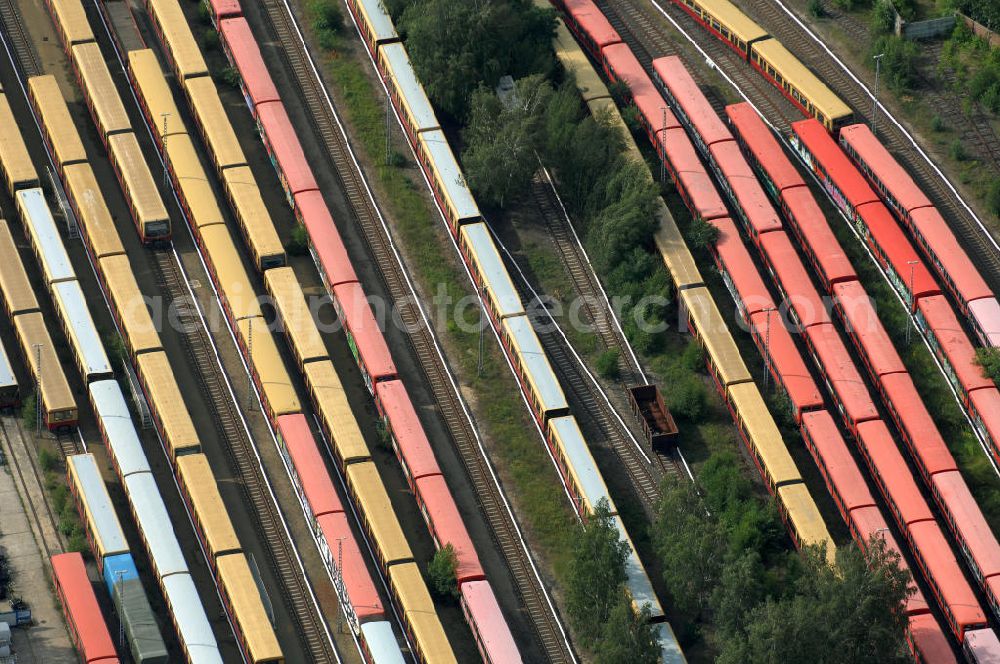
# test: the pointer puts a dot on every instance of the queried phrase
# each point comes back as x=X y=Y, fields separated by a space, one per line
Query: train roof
x=839 y=371
x=794 y=72
x=693 y=177
x=378 y=21
x=192 y=624
x=448 y=173
x=139 y=329
x=930 y=545
x=283 y=142
x=200 y=198
x=254 y=217
x=45 y=236
x=806 y=519
x=762 y=433
x=113 y=413
x=902 y=192
x=14 y=282
x=714 y=334
x=100 y=89
x=56 y=119
x=216 y=128
x=199 y=482
x=296 y=315
x=492 y=269
x=800 y=296
x=758 y=139
x=910 y=271
x=155 y=92
x=438 y=505
x=367 y=486
x=56 y=392
x=857 y=309
x=140 y=623
x=178 y=37
x=917 y=423
x=836 y=460
x=382 y=642
x=161 y=387
x=313 y=476
x=14 y=158
x=979 y=541
x=81 y=605
x=93 y=213
x=93 y=494
x=155 y=524
x=592 y=21
x=674 y=250
x=68 y=297
x=536 y=364
x=811 y=224
x=72 y=20
x=494 y=634
x=232 y=278
x=636 y=580
x=929 y=639
x=985 y=313
x=245 y=601
x=826 y=155
x=732 y=17
x=357 y=316
x=949 y=254
x=626 y=67
x=987 y=403
x=691 y=101
x=411 y=92
x=746 y=190
x=243 y=49
x=398 y=410
x=575 y=62
x=143 y=193
x=118 y=569
x=335 y=412
x=786 y=361
x=878 y=445
x=983 y=644
x=741 y=274
x=327 y=246
x=358 y=583
x=670 y=647
x=423 y=619
x=266 y=362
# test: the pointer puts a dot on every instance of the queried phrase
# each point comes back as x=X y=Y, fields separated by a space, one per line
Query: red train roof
x=742 y=273
x=902 y=257
x=868 y=521
x=949 y=254
x=367 y=336
x=828 y=156
x=440 y=509
x=691 y=100
x=286 y=148
x=979 y=540
x=223 y=8
x=621 y=65
x=933 y=455
x=358 y=583
x=987 y=403
x=80 y=604
x=985 y=314
x=811 y=224
x=245 y=52
x=592 y=21
x=758 y=140
x=801 y=297
x=394 y=403
x=929 y=640
x=312 y=472
x=859 y=142
x=750 y=196
x=942 y=566
x=953 y=342
x=693 y=177
x=786 y=361
x=654 y=109
x=329 y=247
x=879 y=446
x=856 y=308
x=494 y=634
x=834 y=459
x=841 y=374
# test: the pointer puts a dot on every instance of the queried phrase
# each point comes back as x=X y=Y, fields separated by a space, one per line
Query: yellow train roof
x=240 y=586
x=806 y=519
x=192 y=178
x=367 y=485
x=218 y=130
x=128 y=301
x=763 y=433
x=802 y=78
x=132 y=165
x=93 y=213
x=335 y=411
x=420 y=613
x=271 y=372
x=101 y=88
x=161 y=385
x=155 y=91
x=14 y=283
x=715 y=335
x=296 y=316
x=56 y=119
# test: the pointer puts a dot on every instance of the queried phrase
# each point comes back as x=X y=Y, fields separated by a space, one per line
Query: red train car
x=916 y=426
x=401 y=423
x=325 y=244
x=848 y=188
x=928 y=641
x=285 y=150
x=827 y=447
x=800 y=298
x=310 y=476
x=689 y=175
x=762 y=149
x=748 y=197
x=689 y=103
x=813 y=232
x=83 y=615
x=785 y=363
x=898 y=189
x=483 y=614
x=346 y=565
x=868 y=522
x=222 y=9
x=895 y=254
x=445 y=523
x=936 y=318
x=363 y=334
x=590 y=26
x=739 y=272
x=243 y=53
x=864 y=327
x=842 y=378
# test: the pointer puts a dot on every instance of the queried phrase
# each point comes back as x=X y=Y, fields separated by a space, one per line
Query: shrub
x=938 y=124
x=702 y=235
x=441 y=573
x=816 y=9
x=230 y=77
x=298 y=241
x=989 y=360
x=29 y=414
x=46 y=460
x=327 y=21
x=59 y=496
x=210 y=39
x=883 y=20
x=899 y=62
x=693 y=358
x=687 y=397
x=607 y=364
x=957 y=150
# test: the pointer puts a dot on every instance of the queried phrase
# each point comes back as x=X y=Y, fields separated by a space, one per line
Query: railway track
x=506 y=533
x=24 y=50
x=309 y=623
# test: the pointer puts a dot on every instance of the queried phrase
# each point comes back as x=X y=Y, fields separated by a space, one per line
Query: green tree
x=327 y=21
x=702 y=235
x=899 y=64
x=988 y=360
x=441 y=572
x=741 y=588
x=298 y=241
x=500 y=158
x=883 y=19
x=596 y=574
x=29 y=411
x=627 y=637
x=607 y=364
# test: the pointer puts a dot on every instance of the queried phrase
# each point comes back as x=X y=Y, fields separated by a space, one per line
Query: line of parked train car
x=320 y=502
x=114 y=421
x=742 y=279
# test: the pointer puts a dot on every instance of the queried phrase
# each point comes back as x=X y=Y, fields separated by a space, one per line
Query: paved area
x=20 y=536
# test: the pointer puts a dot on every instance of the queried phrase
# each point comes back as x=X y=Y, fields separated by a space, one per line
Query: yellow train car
x=236 y=293
x=99 y=89
x=243 y=601
x=420 y=619
x=722 y=355
x=91 y=211
x=269 y=372
x=58 y=404
x=335 y=414
x=71 y=22
x=676 y=255
x=128 y=305
x=191 y=181
x=18 y=171
x=762 y=436
x=201 y=493
x=295 y=315
x=379 y=518
x=18 y=296
x=214 y=124
x=727 y=22
x=154 y=94
x=178 y=41
x=148 y=211
x=173 y=421
x=57 y=125
x=254 y=219
x=804 y=520
x=800 y=85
